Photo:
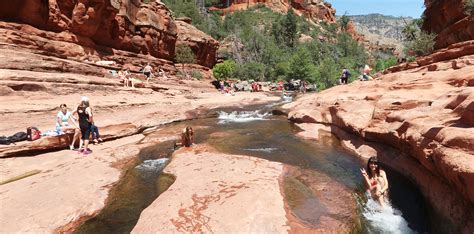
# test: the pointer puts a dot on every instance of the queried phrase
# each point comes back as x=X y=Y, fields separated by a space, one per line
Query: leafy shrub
x=225 y=70
x=381 y=65
x=184 y=54
x=469 y=7
x=196 y=74
x=422 y=45
x=250 y=71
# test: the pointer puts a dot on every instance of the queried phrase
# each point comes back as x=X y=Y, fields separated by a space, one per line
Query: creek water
x=259 y=134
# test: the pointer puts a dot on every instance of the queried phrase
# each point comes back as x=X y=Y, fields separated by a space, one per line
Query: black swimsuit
x=84 y=123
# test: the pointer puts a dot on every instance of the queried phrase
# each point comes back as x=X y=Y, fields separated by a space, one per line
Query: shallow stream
x=259 y=134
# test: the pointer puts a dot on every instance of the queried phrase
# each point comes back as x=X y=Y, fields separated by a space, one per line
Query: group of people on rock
x=82 y=124
x=344 y=78
x=226 y=89
x=128 y=81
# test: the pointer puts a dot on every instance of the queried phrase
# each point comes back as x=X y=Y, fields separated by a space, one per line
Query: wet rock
x=236 y=181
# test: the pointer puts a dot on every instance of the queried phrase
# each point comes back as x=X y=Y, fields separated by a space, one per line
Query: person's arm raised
x=366 y=178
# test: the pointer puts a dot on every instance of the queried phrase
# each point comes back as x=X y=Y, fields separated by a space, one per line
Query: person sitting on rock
x=62 y=125
x=366 y=73
x=375 y=180
x=162 y=74
x=187 y=138
x=95 y=134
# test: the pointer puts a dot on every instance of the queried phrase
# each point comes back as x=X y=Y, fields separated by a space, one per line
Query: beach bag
x=33 y=133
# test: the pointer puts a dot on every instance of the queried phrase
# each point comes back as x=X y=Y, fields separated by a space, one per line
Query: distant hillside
x=381 y=29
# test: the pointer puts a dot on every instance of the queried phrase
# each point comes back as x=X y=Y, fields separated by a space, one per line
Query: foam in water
x=386 y=219
x=241 y=116
x=267 y=150
x=153 y=165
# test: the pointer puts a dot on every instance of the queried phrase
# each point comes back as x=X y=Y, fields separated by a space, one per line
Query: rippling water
x=259 y=134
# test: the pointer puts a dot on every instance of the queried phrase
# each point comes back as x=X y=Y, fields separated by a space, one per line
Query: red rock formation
x=454 y=51
x=203 y=45
x=125 y=25
x=418 y=121
x=447 y=19
x=315 y=10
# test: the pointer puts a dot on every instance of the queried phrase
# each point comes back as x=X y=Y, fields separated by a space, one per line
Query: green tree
x=290 y=28
x=410 y=30
x=225 y=70
x=250 y=71
x=422 y=45
x=285 y=30
x=344 y=22
x=301 y=66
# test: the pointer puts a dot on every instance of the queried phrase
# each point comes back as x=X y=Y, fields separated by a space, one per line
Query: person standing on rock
x=375 y=180
x=62 y=124
x=84 y=113
x=345 y=76
x=147 y=71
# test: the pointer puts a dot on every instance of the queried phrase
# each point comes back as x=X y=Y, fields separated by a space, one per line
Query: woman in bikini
x=375 y=180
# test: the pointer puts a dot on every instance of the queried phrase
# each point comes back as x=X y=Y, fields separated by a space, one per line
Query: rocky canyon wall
x=316 y=10
x=99 y=25
x=447 y=19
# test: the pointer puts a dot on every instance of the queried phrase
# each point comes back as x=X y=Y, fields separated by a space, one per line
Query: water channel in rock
x=259 y=134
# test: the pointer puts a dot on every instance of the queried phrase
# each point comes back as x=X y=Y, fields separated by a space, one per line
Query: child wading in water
x=375 y=180
x=187 y=138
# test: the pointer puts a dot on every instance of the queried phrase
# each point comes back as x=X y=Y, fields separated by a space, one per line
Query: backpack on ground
x=19 y=136
x=33 y=133
x=5 y=140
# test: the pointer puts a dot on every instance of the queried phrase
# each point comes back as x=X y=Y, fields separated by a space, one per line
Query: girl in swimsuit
x=62 y=124
x=375 y=180
x=187 y=138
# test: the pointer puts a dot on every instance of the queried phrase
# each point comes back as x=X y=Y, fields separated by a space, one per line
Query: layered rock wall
x=447 y=19
x=100 y=25
x=316 y=10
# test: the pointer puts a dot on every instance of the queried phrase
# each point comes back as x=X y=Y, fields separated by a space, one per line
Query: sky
x=413 y=8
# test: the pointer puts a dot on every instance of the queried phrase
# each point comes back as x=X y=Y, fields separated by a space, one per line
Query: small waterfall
x=153 y=165
x=384 y=220
x=242 y=116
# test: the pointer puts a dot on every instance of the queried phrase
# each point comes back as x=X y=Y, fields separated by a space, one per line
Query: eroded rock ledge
x=421 y=123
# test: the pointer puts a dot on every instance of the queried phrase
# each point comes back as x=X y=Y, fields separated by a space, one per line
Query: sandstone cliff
x=381 y=30
x=92 y=29
x=315 y=10
x=447 y=19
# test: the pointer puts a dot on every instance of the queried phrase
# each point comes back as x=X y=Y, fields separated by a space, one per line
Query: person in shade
x=375 y=180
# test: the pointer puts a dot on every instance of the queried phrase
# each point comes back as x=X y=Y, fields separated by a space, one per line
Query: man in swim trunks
x=147 y=70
